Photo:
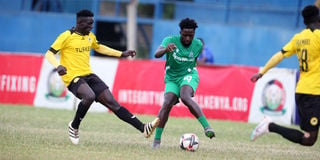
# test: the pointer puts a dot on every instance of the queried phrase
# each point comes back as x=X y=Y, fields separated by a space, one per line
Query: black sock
x=126 y=116
x=81 y=112
x=292 y=135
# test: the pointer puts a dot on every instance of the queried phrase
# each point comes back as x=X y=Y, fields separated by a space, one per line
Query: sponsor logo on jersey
x=182 y=59
x=83 y=49
x=191 y=54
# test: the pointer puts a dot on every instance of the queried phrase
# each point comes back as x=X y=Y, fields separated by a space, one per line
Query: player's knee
x=111 y=103
x=184 y=96
x=89 y=98
x=186 y=99
x=110 y=100
x=310 y=141
x=167 y=104
x=114 y=107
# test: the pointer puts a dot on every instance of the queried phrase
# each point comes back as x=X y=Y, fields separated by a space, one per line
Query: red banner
x=139 y=85
x=224 y=92
x=19 y=76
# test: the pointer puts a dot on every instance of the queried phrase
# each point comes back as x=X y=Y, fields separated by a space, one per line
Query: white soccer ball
x=189 y=142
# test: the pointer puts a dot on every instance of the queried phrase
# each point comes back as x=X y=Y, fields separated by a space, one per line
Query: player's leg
x=308 y=106
x=310 y=138
x=169 y=100
x=82 y=90
x=189 y=85
x=186 y=94
x=87 y=97
x=106 y=98
x=186 y=97
x=293 y=135
x=171 y=94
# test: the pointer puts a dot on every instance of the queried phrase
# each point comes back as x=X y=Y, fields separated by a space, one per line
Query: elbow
x=158 y=55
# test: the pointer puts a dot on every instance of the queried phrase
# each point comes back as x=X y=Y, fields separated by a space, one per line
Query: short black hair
x=84 y=13
x=188 y=23
x=310 y=14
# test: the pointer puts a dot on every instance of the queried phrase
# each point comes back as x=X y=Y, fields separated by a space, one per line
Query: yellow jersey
x=306 y=45
x=74 y=52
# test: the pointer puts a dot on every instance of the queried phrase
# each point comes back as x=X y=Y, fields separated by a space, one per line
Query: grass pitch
x=39 y=133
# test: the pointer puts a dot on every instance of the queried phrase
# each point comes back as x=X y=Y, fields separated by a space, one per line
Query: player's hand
x=128 y=53
x=61 y=70
x=255 y=77
x=170 y=47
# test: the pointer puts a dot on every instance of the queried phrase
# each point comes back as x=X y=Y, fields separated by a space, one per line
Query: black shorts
x=95 y=83
x=309 y=111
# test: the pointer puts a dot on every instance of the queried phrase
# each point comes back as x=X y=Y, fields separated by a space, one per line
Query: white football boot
x=261 y=129
x=73 y=134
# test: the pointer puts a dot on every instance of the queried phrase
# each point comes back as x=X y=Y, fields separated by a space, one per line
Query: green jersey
x=182 y=60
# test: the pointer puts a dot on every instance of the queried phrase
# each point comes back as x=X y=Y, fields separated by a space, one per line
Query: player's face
x=187 y=35
x=84 y=25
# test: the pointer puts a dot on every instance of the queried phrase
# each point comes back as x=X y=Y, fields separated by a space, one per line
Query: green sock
x=203 y=121
x=158 y=133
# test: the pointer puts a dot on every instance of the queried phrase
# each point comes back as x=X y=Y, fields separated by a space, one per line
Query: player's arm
x=52 y=60
x=113 y=52
x=202 y=60
x=273 y=61
x=162 y=50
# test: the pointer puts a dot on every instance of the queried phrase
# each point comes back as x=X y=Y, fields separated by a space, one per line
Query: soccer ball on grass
x=189 y=142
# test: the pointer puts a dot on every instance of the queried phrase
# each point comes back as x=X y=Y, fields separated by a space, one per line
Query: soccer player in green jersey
x=306 y=45
x=181 y=76
x=74 y=46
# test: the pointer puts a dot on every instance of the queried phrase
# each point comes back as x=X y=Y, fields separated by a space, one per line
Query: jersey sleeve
x=290 y=48
x=58 y=43
x=95 y=42
x=199 y=47
x=166 y=41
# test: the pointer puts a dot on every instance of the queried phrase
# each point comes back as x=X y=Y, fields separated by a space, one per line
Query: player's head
x=310 y=14
x=187 y=30
x=84 y=21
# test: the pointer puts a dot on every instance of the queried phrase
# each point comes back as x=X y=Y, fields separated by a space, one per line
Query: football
x=189 y=142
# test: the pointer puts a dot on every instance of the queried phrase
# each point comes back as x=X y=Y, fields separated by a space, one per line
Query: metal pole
x=132 y=24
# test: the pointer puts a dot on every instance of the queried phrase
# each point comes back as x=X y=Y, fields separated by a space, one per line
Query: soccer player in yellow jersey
x=306 y=45
x=74 y=47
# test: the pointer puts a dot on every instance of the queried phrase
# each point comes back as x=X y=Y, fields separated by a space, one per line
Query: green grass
x=39 y=133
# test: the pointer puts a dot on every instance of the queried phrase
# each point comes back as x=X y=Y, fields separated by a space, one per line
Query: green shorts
x=174 y=85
